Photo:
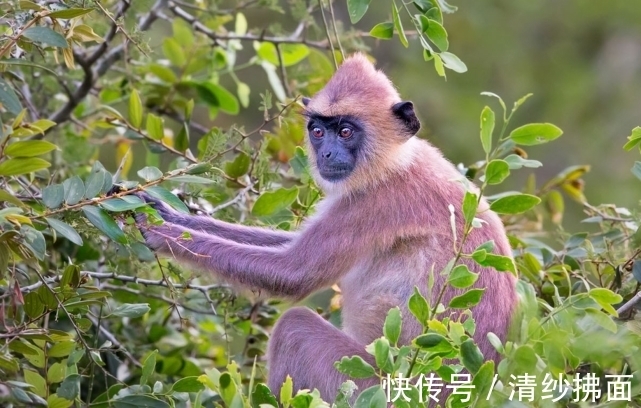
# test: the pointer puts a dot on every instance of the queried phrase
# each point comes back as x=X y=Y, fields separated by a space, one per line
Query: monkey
x=381 y=229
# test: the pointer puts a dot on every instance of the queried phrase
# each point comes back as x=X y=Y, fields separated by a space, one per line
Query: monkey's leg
x=305 y=347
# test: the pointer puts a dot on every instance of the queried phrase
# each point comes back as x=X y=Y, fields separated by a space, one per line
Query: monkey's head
x=358 y=128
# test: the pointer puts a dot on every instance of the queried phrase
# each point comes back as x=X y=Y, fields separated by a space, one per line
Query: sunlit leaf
x=17 y=166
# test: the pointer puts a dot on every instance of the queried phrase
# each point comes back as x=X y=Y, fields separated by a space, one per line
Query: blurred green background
x=582 y=61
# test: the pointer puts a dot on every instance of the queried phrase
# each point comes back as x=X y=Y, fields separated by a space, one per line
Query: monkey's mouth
x=335 y=173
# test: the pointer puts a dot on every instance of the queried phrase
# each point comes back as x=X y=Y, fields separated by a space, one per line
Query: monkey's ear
x=306 y=100
x=405 y=112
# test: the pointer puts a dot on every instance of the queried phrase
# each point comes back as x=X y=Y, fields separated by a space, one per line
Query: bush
x=91 y=317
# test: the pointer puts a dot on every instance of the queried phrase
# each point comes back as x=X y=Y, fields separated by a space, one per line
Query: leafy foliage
x=90 y=317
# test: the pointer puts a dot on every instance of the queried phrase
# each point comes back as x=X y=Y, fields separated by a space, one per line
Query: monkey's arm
x=232 y=232
x=316 y=258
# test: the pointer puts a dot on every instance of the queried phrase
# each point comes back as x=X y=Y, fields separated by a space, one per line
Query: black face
x=336 y=141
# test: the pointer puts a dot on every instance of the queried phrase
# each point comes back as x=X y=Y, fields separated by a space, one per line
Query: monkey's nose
x=327 y=155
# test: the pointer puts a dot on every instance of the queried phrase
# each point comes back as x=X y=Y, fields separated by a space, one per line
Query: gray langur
x=382 y=228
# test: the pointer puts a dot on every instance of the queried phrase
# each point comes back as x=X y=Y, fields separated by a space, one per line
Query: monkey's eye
x=346 y=132
x=317 y=132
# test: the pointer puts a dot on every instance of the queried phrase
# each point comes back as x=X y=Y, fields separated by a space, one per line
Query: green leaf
x=33 y=306
x=239 y=166
x=38 y=382
x=61 y=349
x=181 y=143
x=163 y=73
x=228 y=388
x=46 y=36
x=467 y=300
x=487 y=128
x=125 y=203
x=95 y=181
x=433 y=342
x=384 y=31
x=101 y=220
x=188 y=384
x=355 y=367
x=23 y=347
x=56 y=372
x=423 y=5
x=535 y=134
x=8 y=98
x=53 y=195
x=515 y=162
x=70 y=13
x=514 y=204
x=183 y=33
x=471 y=356
x=65 y=230
x=15 y=167
x=155 y=127
x=135 y=109
x=243 y=91
x=148 y=367
x=263 y=395
x=191 y=179
x=470 y=205
x=453 y=62
x=499 y=262
x=438 y=65
x=174 y=52
x=419 y=307
x=273 y=201
x=356 y=9
x=74 y=190
x=634 y=139
x=71 y=276
x=373 y=397
x=70 y=387
x=602 y=319
x=382 y=354
x=496 y=171
x=149 y=173
x=423 y=21
x=131 y=310
x=286 y=390
x=166 y=196
x=437 y=34
x=29 y=148
x=227 y=101
x=606 y=298
x=291 y=54
x=393 y=324
x=398 y=26
x=461 y=277
x=138 y=401
x=483 y=378
x=435 y=13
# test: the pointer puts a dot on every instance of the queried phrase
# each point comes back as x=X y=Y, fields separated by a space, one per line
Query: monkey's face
x=336 y=140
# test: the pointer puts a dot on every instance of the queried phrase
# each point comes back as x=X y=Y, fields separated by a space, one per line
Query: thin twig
x=204 y=289
x=198 y=26
x=338 y=39
x=329 y=37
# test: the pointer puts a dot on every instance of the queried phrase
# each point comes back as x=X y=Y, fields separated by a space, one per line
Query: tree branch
x=216 y=38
